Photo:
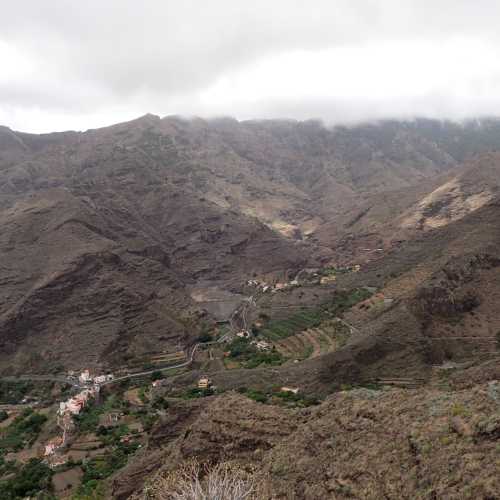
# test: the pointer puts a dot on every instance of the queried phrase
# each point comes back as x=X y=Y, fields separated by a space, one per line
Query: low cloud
x=88 y=64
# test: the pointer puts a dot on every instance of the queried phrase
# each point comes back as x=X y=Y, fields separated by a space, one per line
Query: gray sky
x=77 y=65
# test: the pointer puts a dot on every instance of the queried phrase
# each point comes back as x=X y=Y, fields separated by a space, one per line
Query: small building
x=100 y=379
x=262 y=345
x=294 y=390
x=325 y=280
x=280 y=286
x=244 y=334
x=84 y=377
x=204 y=383
x=53 y=445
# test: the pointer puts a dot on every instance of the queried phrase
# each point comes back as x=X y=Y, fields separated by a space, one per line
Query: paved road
x=150 y=372
x=248 y=301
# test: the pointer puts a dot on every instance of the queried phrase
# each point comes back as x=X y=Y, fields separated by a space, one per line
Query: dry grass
x=194 y=481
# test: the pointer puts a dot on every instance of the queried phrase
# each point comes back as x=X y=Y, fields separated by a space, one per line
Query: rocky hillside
x=114 y=239
x=360 y=443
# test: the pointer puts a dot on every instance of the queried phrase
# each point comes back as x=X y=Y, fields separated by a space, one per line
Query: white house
x=294 y=390
x=262 y=345
x=84 y=377
x=100 y=379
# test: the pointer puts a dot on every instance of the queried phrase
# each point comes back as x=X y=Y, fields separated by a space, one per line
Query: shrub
x=157 y=375
x=23 y=430
x=204 y=337
x=32 y=479
x=196 y=482
x=160 y=403
x=3 y=415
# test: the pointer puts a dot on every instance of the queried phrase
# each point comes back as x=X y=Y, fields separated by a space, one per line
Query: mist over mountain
x=321 y=281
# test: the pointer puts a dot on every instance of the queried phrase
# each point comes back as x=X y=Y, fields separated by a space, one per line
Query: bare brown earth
x=393 y=443
x=117 y=243
x=110 y=236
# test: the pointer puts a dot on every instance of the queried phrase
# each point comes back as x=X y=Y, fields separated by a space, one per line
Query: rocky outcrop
x=360 y=443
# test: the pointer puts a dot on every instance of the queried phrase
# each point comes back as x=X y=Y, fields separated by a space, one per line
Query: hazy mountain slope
x=129 y=219
x=388 y=218
x=89 y=223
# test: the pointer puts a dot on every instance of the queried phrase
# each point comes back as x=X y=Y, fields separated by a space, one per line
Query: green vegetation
x=96 y=470
x=258 y=396
x=312 y=318
x=91 y=490
x=88 y=419
x=142 y=395
x=3 y=415
x=7 y=466
x=118 y=438
x=459 y=409
x=22 y=431
x=307 y=352
x=112 y=435
x=333 y=271
x=295 y=400
x=160 y=403
x=157 y=375
x=31 y=480
x=278 y=397
x=14 y=392
x=248 y=356
x=194 y=393
x=282 y=328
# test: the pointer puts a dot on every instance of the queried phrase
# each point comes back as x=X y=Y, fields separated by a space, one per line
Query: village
x=69 y=409
x=320 y=276
x=90 y=424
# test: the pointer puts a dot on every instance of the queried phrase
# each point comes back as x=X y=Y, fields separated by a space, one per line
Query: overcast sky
x=78 y=65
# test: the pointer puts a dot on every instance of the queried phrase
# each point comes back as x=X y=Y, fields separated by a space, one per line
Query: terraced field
x=310 y=333
x=283 y=328
x=313 y=342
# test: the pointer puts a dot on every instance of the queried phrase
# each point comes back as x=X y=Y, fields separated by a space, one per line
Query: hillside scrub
x=313 y=318
x=249 y=356
x=22 y=431
x=193 y=481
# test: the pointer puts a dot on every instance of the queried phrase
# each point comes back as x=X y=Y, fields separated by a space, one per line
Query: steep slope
x=358 y=444
x=145 y=219
x=384 y=220
x=98 y=250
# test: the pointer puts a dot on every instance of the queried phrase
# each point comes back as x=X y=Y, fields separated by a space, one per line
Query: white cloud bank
x=68 y=65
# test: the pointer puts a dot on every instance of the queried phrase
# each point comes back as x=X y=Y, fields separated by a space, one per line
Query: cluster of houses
x=75 y=404
x=265 y=287
x=204 y=382
x=86 y=379
x=314 y=274
x=71 y=407
x=261 y=345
